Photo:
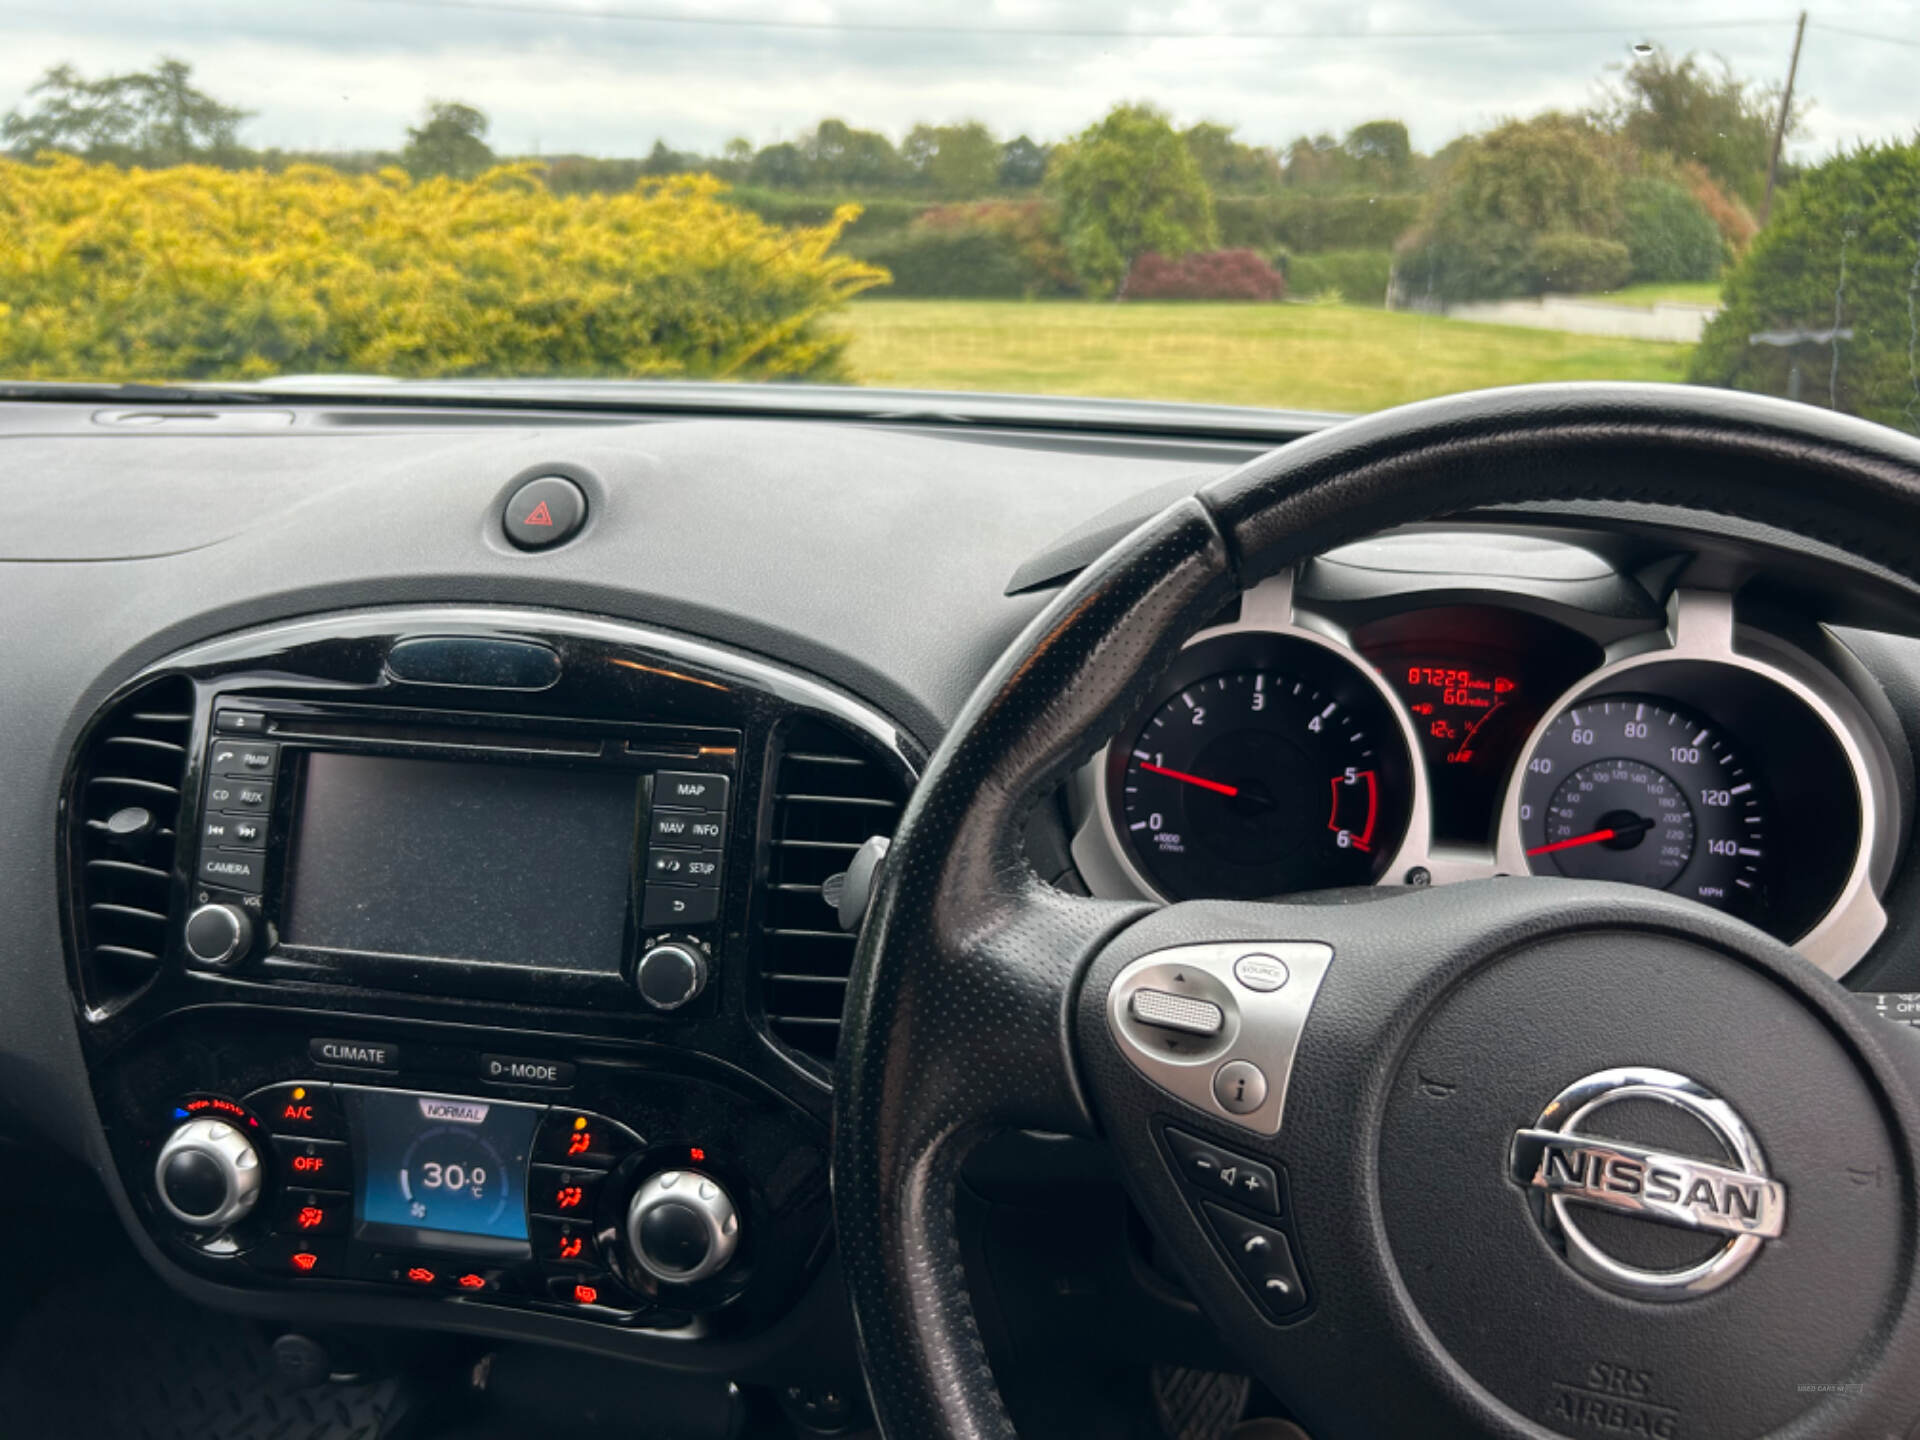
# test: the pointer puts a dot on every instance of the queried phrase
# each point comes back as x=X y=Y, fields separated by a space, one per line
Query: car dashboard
x=424 y=897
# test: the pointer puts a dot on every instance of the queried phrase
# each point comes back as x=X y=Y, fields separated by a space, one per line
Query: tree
x=451 y=140
x=1840 y=253
x=1227 y=164
x=1382 y=152
x=954 y=161
x=1693 y=110
x=1023 y=164
x=1128 y=185
x=779 y=167
x=839 y=155
x=149 y=117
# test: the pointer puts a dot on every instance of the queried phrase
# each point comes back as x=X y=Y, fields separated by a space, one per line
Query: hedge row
x=195 y=273
x=1309 y=222
x=1359 y=277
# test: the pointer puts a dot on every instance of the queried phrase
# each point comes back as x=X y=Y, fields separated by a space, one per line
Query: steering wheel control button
x=1264 y=1259
x=207 y=1174
x=546 y=511
x=1178 y=1012
x=1240 y=1087
x=1210 y=1070
x=1262 y=973
x=1573 y=1164
x=1222 y=1175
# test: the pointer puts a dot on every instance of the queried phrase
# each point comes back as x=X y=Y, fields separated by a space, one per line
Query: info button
x=523 y=1070
x=356 y=1054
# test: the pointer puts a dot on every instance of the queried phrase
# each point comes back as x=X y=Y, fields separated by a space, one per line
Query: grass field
x=1314 y=357
x=1703 y=292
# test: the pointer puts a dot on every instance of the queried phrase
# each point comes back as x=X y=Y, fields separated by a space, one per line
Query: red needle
x=1186 y=779
x=1592 y=838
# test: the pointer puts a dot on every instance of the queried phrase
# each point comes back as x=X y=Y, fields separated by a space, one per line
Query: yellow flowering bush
x=194 y=273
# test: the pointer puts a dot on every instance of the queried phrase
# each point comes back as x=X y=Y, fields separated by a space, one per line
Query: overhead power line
x=648 y=16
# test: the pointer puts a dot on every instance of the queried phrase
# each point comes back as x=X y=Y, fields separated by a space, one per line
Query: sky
x=608 y=77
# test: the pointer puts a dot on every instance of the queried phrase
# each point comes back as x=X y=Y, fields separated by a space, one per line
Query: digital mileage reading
x=1452 y=704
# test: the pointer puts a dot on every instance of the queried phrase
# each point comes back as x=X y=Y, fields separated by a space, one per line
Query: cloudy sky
x=609 y=76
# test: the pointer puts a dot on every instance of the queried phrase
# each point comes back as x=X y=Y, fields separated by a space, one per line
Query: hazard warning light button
x=545 y=511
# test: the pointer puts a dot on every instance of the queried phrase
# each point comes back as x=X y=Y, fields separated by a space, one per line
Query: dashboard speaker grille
x=830 y=794
x=124 y=816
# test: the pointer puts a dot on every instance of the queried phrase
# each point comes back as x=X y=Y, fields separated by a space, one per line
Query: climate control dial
x=207 y=1174
x=682 y=1227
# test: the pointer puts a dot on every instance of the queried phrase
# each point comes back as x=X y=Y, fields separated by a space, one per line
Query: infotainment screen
x=503 y=864
x=441 y=1170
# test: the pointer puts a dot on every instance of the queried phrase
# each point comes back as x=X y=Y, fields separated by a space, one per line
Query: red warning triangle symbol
x=540 y=516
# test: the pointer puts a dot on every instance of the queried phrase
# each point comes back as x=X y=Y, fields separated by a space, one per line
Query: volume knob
x=682 y=1227
x=208 y=1174
x=218 y=935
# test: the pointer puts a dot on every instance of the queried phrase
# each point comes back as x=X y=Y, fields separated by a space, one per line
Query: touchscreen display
x=502 y=864
x=446 y=1171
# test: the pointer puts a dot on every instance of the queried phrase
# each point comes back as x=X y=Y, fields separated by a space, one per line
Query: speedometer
x=1645 y=792
x=1283 y=773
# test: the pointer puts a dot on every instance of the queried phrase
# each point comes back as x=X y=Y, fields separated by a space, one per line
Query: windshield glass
x=1306 y=206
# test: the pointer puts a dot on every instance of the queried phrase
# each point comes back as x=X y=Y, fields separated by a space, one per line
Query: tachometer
x=1645 y=792
x=1262 y=781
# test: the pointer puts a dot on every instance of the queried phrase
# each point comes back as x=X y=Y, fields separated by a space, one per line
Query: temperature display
x=445 y=1170
x=1452 y=704
x=1472 y=711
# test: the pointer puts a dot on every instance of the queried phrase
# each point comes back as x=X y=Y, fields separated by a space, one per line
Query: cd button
x=225 y=792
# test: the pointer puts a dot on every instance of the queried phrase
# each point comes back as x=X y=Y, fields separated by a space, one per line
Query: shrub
x=1735 y=221
x=1033 y=226
x=1450 y=260
x=192 y=273
x=1204 y=275
x=1308 y=222
x=876 y=216
x=1667 y=233
x=1360 y=276
x=1579 y=263
x=1840 y=249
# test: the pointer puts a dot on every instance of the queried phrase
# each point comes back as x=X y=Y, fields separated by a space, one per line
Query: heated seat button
x=567 y=1194
x=307 y=1163
x=299 y=1107
x=545 y=511
x=313 y=1212
x=1224 y=1175
x=1264 y=1259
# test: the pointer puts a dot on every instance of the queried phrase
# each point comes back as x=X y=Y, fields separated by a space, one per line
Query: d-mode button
x=522 y=1070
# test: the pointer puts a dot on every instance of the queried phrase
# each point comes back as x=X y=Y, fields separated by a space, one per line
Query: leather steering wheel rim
x=961 y=1014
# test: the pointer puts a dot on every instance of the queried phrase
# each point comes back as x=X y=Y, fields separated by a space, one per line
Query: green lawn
x=1701 y=292
x=1314 y=357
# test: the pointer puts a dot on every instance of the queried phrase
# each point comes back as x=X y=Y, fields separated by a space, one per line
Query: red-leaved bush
x=1205 y=275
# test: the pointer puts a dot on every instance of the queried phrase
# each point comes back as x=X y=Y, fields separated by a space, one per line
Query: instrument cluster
x=1285 y=753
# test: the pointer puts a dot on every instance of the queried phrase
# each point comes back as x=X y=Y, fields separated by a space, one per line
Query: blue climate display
x=445 y=1171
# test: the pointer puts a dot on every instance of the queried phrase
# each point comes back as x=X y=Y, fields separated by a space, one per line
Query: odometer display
x=1262 y=781
x=1648 y=793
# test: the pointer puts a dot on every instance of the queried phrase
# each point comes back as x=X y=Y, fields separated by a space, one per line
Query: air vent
x=830 y=793
x=125 y=814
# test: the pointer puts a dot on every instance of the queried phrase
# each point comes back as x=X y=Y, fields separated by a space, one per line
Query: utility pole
x=1780 y=124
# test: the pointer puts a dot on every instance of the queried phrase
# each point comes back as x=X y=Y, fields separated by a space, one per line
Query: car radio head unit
x=483 y=854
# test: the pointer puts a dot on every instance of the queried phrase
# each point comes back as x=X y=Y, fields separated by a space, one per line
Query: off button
x=544 y=512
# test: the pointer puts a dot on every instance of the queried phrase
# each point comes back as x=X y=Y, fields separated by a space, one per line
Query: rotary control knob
x=671 y=974
x=219 y=935
x=208 y=1174
x=682 y=1227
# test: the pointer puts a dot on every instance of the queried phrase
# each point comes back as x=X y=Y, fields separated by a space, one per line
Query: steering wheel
x=1533 y=1156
